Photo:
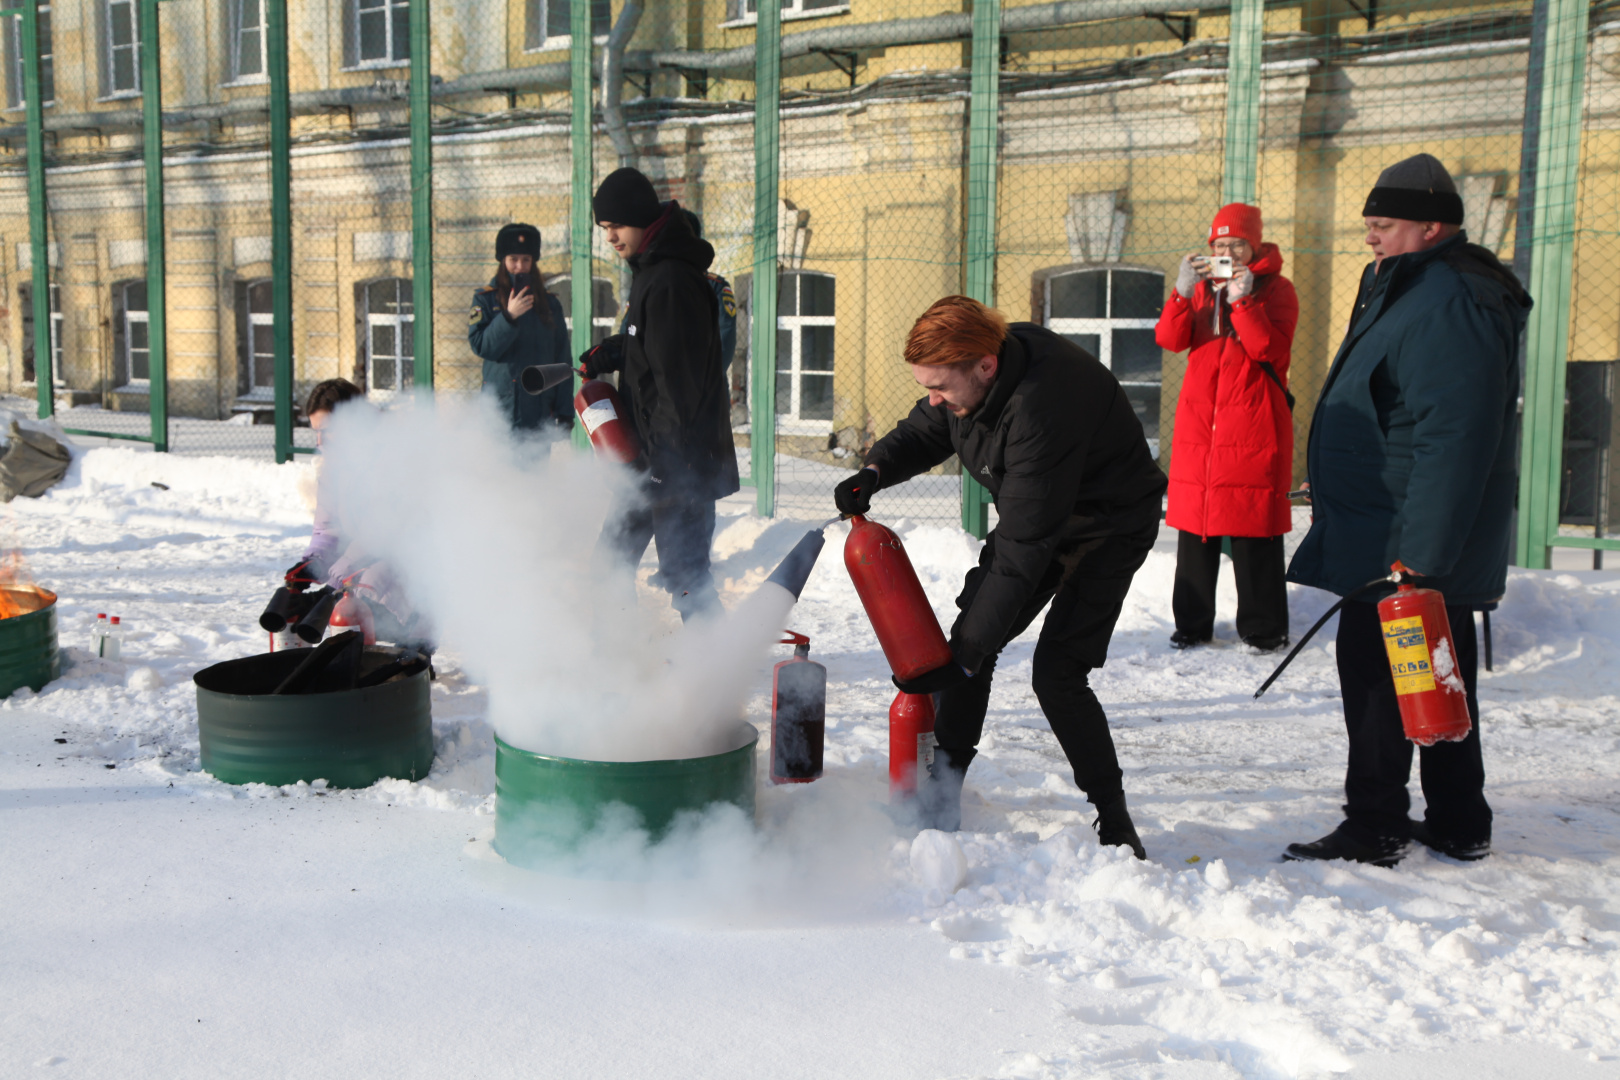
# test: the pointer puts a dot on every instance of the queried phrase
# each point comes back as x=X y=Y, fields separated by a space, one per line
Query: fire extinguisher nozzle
x=538 y=378
x=792 y=572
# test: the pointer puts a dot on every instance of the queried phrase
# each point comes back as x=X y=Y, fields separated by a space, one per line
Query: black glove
x=603 y=357
x=304 y=574
x=854 y=495
x=932 y=682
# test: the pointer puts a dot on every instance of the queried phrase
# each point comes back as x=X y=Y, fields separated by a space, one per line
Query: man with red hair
x=1043 y=425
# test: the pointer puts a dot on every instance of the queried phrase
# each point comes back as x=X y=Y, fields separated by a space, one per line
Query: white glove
x=1187 y=277
x=1241 y=285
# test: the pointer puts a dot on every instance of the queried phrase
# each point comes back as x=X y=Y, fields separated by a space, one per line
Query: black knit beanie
x=1417 y=189
x=626 y=197
x=517 y=239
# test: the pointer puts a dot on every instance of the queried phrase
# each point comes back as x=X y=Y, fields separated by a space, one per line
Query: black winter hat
x=627 y=197
x=517 y=239
x=694 y=221
x=1417 y=189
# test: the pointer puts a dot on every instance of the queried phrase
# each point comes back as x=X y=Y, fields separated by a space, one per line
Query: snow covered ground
x=159 y=923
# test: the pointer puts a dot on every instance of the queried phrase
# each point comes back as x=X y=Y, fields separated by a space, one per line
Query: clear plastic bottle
x=113 y=644
x=98 y=635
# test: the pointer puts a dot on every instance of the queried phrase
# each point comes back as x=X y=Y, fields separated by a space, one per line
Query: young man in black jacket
x=674 y=388
x=1048 y=430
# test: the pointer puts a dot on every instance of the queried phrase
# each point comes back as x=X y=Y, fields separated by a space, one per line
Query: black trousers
x=684 y=529
x=1086 y=589
x=1453 y=773
x=1257 y=567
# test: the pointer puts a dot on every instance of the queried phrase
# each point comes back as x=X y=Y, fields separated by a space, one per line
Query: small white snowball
x=938 y=862
x=1210 y=978
x=1111 y=978
x=144 y=679
x=1217 y=877
x=1456 y=948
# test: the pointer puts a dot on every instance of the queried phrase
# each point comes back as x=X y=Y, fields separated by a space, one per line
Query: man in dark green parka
x=1411 y=458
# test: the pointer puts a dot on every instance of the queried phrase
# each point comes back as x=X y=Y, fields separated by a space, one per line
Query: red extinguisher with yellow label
x=1422 y=659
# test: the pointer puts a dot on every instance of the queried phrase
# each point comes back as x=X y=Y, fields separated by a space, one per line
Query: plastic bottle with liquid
x=112 y=647
x=98 y=634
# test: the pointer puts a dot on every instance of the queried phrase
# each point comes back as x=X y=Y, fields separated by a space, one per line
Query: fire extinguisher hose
x=1387 y=579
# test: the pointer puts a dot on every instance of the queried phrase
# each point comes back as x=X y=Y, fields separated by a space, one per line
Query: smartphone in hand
x=520 y=282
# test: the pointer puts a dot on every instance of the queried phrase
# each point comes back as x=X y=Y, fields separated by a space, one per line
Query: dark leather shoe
x=1462 y=850
x=1115 y=828
x=1181 y=639
x=1267 y=644
x=1339 y=844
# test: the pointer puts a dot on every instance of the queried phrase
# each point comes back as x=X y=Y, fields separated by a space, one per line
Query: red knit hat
x=1237 y=219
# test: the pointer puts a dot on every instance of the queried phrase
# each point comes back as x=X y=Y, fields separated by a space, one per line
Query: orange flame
x=18 y=593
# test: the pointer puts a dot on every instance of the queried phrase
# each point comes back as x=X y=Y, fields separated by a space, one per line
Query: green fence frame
x=762 y=327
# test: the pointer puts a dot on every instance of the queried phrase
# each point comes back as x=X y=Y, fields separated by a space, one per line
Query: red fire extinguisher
x=352 y=613
x=911 y=743
x=894 y=600
x=601 y=410
x=798 y=715
x=1423 y=660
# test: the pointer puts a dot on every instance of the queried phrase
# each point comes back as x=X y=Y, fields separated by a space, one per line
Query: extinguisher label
x=1408 y=655
x=596 y=414
x=925 y=751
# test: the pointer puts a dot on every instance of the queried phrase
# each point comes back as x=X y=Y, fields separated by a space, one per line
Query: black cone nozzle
x=792 y=572
x=538 y=378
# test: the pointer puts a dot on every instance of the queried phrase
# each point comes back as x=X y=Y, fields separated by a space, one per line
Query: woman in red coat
x=1232 y=454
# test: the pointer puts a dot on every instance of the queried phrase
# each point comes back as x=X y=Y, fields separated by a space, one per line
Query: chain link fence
x=1111 y=144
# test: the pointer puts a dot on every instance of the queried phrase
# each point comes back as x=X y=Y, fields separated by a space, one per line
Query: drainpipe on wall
x=613 y=82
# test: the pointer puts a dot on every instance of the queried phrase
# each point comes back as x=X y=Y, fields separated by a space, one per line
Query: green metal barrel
x=545 y=805
x=28 y=643
x=349 y=738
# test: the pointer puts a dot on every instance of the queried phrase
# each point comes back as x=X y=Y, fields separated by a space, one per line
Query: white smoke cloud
x=493 y=540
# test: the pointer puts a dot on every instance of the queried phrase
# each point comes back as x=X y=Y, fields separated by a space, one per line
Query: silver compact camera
x=1220 y=267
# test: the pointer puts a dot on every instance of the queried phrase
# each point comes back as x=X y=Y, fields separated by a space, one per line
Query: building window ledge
x=787 y=16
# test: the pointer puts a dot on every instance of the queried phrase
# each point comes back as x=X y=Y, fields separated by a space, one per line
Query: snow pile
x=1213 y=959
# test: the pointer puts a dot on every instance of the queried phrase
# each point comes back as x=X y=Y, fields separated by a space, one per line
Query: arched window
x=388 y=317
x=604 y=309
x=1110 y=311
x=805 y=325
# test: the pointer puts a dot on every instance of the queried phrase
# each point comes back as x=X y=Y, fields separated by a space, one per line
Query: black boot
x=1341 y=843
x=939 y=796
x=1463 y=850
x=1114 y=826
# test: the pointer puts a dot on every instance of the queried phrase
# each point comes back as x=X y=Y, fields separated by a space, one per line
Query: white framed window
x=255 y=340
x=378 y=33
x=604 y=309
x=389 y=319
x=547 y=25
x=740 y=12
x=806 y=321
x=132 y=348
x=25 y=301
x=123 y=48
x=16 y=86
x=245 y=25
x=1110 y=312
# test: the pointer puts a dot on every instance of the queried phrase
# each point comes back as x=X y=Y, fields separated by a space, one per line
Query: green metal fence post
x=156 y=279
x=1552 y=262
x=767 y=172
x=280 y=225
x=580 y=225
x=983 y=115
x=1243 y=101
x=38 y=227
x=422 y=193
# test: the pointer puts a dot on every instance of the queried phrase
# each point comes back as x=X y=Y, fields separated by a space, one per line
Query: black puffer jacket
x=672 y=381
x=1059 y=447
